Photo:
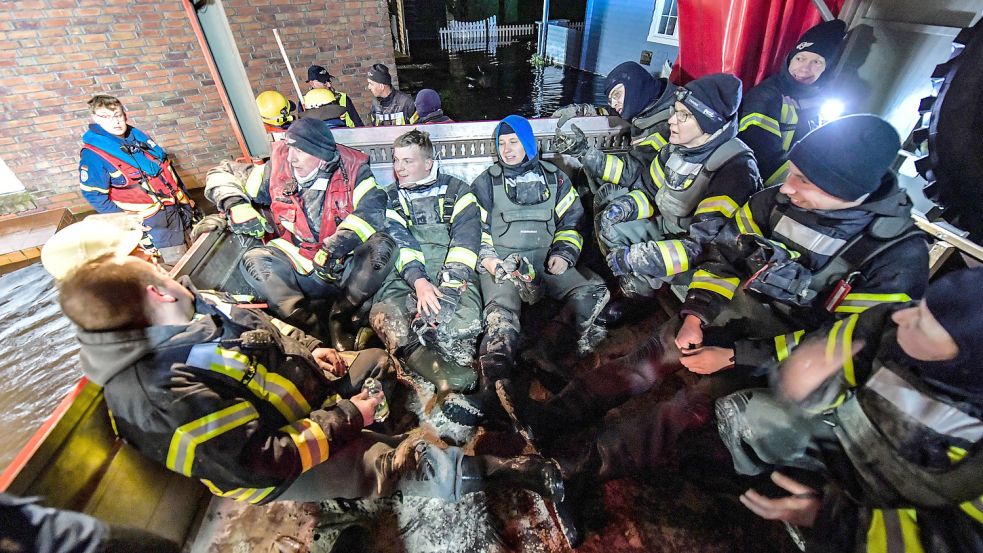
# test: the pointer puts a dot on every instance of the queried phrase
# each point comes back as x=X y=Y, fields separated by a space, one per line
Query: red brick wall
x=58 y=53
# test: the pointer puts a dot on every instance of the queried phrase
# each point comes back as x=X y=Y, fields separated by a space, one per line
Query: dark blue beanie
x=954 y=303
x=824 y=39
x=848 y=157
x=518 y=125
x=641 y=88
x=721 y=92
x=427 y=102
x=313 y=136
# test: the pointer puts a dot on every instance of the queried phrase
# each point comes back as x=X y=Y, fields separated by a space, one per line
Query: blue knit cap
x=518 y=125
x=848 y=157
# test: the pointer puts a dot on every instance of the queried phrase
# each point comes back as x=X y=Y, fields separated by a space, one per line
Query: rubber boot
x=543 y=422
x=528 y=472
x=341 y=335
x=443 y=373
x=623 y=310
x=482 y=406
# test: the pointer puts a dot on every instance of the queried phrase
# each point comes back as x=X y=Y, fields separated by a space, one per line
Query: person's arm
x=230 y=183
x=626 y=169
x=353 y=113
x=760 y=129
x=568 y=214
x=410 y=261
x=368 y=216
x=462 y=256
x=408 y=107
x=483 y=194
x=95 y=180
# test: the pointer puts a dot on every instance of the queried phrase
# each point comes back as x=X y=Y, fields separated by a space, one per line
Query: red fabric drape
x=749 y=38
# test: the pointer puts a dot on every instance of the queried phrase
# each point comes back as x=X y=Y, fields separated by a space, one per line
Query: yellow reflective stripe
x=974 y=509
x=860 y=302
x=705 y=280
x=255 y=180
x=357 y=225
x=571 y=236
x=745 y=221
x=563 y=205
x=841 y=335
x=311 y=442
x=760 y=120
x=249 y=495
x=894 y=531
x=785 y=343
x=674 y=257
x=613 y=167
x=486 y=239
x=645 y=209
x=778 y=176
x=464 y=256
x=187 y=437
x=721 y=204
x=790 y=117
x=414 y=118
x=362 y=189
x=655 y=140
x=657 y=174
x=955 y=454
x=393 y=215
x=273 y=388
x=301 y=264
x=461 y=204
x=407 y=255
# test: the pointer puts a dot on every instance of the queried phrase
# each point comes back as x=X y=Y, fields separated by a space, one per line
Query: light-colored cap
x=95 y=236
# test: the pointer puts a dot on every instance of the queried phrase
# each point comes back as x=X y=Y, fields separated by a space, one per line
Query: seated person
x=255 y=409
x=324 y=241
x=889 y=406
x=530 y=218
x=428 y=108
x=433 y=297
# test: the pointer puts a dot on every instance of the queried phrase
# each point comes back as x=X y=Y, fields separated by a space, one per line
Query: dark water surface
x=38 y=356
x=483 y=85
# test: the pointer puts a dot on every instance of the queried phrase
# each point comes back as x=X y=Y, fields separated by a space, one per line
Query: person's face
x=410 y=165
x=378 y=90
x=510 y=149
x=316 y=84
x=171 y=297
x=921 y=336
x=616 y=98
x=302 y=162
x=803 y=193
x=683 y=128
x=111 y=121
x=807 y=67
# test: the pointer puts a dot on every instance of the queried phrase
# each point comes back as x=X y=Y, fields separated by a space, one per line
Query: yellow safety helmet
x=274 y=108
x=318 y=97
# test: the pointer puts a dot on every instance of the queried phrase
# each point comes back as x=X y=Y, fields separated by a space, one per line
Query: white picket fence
x=480 y=35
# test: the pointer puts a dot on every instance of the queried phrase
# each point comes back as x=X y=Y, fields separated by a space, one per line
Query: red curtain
x=749 y=38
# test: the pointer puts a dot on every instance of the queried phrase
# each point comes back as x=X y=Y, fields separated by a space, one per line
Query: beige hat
x=96 y=235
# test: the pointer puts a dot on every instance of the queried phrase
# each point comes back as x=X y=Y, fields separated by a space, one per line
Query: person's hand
x=690 y=335
x=329 y=361
x=366 y=405
x=800 y=508
x=245 y=220
x=809 y=366
x=573 y=143
x=427 y=297
x=557 y=265
x=567 y=113
x=328 y=268
x=491 y=264
x=211 y=223
x=707 y=360
x=617 y=260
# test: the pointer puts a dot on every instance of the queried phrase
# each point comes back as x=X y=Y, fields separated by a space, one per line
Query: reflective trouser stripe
x=745 y=221
x=841 y=337
x=248 y=495
x=301 y=264
x=858 y=303
x=785 y=343
x=563 y=205
x=613 y=167
x=464 y=256
x=187 y=437
x=974 y=509
x=311 y=442
x=362 y=189
x=645 y=209
x=704 y=280
x=719 y=204
x=893 y=531
x=267 y=386
x=463 y=202
x=571 y=236
x=357 y=225
x=674 y=256
x=408 y=255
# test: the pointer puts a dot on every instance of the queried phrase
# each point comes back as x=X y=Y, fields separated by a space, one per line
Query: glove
x=452 y=286
x=521 y=273
x=425 y=328
x=618 y=261
x=786 y=281
x=245 y=220
x=567 y=113
x=327 y=268
x=619 y=210
x=573 y=143
x=212 y=223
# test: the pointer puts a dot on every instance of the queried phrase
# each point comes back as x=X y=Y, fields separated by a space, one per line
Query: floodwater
x=38 y=356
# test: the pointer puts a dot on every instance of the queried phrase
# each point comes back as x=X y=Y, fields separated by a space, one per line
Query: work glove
x=618 y=261
x=521 y=273
x=211 y=223
x=328 y=268
x=573 y=143
x=452 y=285
x=567 y=113
x=786 y=281
x=620 y=210
x=245 y=220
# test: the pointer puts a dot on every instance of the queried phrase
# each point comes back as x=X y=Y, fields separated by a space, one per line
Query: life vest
x=523 y=228
x=276 y=133
x=142 y=193
x=287 y=203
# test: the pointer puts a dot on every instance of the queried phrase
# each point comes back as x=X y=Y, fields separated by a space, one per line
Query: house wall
x=616 y=31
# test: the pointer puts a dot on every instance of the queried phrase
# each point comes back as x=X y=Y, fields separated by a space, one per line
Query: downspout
x=189 y=8
x=824 y=10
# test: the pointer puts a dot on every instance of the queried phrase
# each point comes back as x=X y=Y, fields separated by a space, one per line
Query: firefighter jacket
x=439 y=200
x=226 y=398
x=819 y=241
x=351 y=117
x=393 y=110
x=336 y=210
x=906 y=466
x=129 y=173
x=542 y=198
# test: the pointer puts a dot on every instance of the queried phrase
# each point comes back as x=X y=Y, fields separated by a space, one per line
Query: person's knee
x=257 y=264
x=391 y=324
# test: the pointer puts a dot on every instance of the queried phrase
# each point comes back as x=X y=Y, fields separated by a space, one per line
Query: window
x=664 y=26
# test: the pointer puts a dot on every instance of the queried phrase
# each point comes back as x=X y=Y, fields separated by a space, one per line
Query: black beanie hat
x=312 y=136
x=824 y=39
x=720 y=92
x=954 y=303
x=848 y=157
x=641 y=88
x=318 y=73
x=379 y=73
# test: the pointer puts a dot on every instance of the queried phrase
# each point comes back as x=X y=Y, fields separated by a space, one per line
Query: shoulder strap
x=495 y=171
x=548 y=167
x=726 y=152
x=861 y=249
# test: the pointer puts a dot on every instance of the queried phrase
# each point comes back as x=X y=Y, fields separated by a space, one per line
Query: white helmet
x=97 y=235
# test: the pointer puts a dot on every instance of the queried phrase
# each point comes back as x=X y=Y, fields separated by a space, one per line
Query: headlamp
x=685 y=97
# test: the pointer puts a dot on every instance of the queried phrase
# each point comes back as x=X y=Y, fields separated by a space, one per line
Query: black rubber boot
x=482 y=406
x=543 y=422
x=528 y=472
x=370 y=265
x=443 y=373
x=622 y=310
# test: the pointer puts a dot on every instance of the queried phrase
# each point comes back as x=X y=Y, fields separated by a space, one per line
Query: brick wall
x=58 y=53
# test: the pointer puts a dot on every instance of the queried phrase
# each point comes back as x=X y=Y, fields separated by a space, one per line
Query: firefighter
x=276 y=112
x=433 y=299
x=783 y=108
x=428 y=107
x=121 y=169
x=889 y=404
x=321 y=103
x=530 y=245
x=390 y=106
x=319 y=78
x=255 y=409
x=322 y=243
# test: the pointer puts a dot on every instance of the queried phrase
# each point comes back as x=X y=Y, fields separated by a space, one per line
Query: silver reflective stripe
x=940 y=417
x=894 y=538
x=677 y=164
x=808 y=238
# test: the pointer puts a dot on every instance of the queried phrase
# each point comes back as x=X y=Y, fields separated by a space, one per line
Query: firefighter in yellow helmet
x=276 y=112
x=322 y=103
x=318 y=77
